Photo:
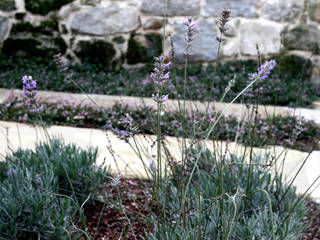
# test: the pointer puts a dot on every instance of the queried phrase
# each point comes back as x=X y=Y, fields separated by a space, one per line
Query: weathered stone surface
x=7 y=5
x=153 y=24
x=43 y=7
x=101 y=21
x=27 y=40
x=204 y=46
x=230 y=48
x=303 y=37
x=4 y=26
x=239 y=8
x=282 y=10
x=143 y=48
x=232 y=28
x=97 y=52
x=314 y=10
x=174 y=7
x=262 y=32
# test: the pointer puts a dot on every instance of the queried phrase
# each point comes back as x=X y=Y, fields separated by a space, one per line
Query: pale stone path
x=14 y=135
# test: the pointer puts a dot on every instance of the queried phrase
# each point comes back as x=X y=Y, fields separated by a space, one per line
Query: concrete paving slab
x=125 y=161
x=240 y=111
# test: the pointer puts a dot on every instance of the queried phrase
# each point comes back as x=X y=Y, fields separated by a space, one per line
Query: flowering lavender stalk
x=191 y=28
x=160 y=76
x=264 y=70
x=30 y=91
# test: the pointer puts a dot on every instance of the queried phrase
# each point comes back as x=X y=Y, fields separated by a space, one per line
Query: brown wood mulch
x=131 y=223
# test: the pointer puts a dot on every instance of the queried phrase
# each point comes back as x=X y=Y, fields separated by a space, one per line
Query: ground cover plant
x=41 y=190
x=271 y=131
x=202 y=195
x=208 y=83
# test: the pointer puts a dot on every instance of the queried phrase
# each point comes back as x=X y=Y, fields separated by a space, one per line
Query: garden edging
x=236 y=109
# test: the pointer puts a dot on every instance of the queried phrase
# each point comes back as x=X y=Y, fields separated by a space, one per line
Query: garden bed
x=275 y=130
x=46 y=173
x=204 y=83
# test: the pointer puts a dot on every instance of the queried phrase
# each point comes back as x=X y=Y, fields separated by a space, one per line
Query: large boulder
x=100 y=21
x=4 y=26
x=204 y=46
x=303 y=37
x=27 y=40
x=174 y=7
x=265 y=33
x=282 y=10
x=43 y=7
x=239 y=8
x=314 y=10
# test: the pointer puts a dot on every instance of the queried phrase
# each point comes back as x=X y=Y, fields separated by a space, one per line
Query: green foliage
x=30 y=210
x=7 y=5
x=43 y=7
x=138 y=53
x=203 y=83
x=96 y=52
x=67 y=162
x=220 y=205
x=39 y=190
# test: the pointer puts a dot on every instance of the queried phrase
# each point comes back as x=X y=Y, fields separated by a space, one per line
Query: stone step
x=238 y=110
x=128 y=164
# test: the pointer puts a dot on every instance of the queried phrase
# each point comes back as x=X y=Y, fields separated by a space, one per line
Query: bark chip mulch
x=132 y=223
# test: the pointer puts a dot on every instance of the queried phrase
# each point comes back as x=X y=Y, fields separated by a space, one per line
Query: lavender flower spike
x=264 y=70
x=189 y=37
x=30 y=91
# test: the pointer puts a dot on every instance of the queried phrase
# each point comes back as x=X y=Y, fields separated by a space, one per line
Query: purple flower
x=264 y=70
x=122 y=132
x=108 y=126
x=164 y=98
x=191 y=27
x=10 y=172
x=30 y=91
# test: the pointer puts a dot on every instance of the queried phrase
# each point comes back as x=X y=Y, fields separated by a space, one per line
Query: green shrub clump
x=220 y=204
x=41 y=190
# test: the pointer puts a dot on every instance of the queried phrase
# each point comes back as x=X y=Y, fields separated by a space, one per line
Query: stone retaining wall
x=115 y=32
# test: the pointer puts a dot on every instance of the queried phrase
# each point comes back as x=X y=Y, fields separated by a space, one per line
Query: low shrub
x=74 y=170
x=30 y=210
x=220 y=205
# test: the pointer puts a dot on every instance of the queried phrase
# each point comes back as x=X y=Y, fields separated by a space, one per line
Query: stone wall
x=117 y=32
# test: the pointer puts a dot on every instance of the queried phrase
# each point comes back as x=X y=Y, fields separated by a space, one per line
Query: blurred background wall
x=129 y=32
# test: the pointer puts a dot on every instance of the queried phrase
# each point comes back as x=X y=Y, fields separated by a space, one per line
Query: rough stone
x=232 y=28
x=7 y=5
x=262 y=32
x=27 y=40
x=174 y=7
x=101 y=21
x=230 y=48
x=282 y=10
x=153 y=24
x=239 y=8
x=96 y=51
x=45 y=6
x=143 y=48
x=303 y=37
x=314 y=10
x=204 y=46
x=4 y=26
